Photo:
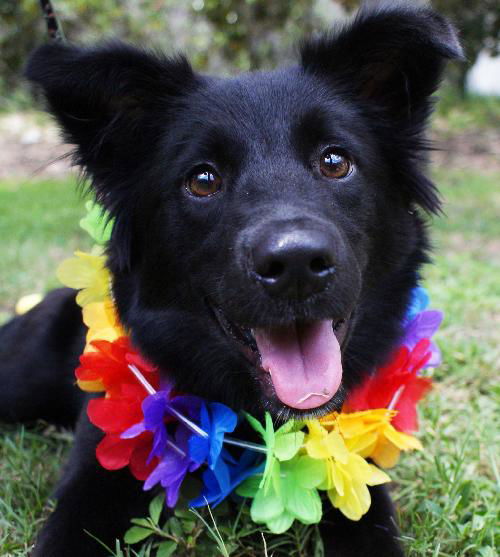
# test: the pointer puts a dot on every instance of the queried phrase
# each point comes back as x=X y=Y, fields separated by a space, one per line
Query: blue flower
x=418 y=302
x=216 y=420
x=227 y=474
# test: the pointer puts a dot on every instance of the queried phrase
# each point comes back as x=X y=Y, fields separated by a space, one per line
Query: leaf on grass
x=188 y=525
x=118 y=551
x=174 y=525
x=136 y=534
x=144 y=522
x=319 y=548
x=183 y=513
x=165 y=549
x=155 y=508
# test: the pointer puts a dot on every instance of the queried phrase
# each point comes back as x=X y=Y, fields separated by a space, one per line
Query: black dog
x=261 y=222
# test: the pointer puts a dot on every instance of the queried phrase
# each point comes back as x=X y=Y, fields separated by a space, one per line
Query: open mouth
x=300 y=362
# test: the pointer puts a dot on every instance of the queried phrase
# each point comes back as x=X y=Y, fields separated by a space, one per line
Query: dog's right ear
x=113 y=103
x=109 y=100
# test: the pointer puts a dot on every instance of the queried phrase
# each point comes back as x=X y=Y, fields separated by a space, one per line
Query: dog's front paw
x=94 y=505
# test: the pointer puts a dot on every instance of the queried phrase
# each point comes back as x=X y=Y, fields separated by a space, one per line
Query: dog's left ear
x=391 y=54
x=390 y=60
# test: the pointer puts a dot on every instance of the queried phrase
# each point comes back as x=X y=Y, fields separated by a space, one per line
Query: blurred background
x=228 y=36
x=447 y=495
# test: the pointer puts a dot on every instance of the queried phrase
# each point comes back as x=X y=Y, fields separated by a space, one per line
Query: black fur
x=141 y=122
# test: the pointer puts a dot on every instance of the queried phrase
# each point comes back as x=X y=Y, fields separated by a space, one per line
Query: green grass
x=472 y=112
x=447 y=495
x=38 y=228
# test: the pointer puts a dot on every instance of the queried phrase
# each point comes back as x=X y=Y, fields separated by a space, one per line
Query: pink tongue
x=304 y=362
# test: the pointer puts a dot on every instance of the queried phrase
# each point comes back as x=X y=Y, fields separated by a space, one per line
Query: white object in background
x=484 y=76
x=27 y=302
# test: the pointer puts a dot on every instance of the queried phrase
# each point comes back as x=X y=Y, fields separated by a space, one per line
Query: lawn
x=447 y=495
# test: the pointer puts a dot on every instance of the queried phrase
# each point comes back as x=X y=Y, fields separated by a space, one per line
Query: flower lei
x=163 y=435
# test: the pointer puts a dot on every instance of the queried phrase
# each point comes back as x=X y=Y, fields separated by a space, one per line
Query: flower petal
x=303 y=504
x=266 y=506
x=280 y=524
x=287 y=445
x=114 y=453
x=378 y=476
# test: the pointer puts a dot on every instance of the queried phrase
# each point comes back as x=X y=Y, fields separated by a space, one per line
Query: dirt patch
x=30 y=146
x=476 y=149
x=485 y=248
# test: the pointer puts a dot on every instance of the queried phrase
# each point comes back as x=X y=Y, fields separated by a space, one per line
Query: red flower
x=397 y=385
x=118 y=412
x=108 y=365
x=114 y=453
x=120 y=408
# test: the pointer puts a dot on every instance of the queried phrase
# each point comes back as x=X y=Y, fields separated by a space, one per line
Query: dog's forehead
x=260 y=102
x=265 y=113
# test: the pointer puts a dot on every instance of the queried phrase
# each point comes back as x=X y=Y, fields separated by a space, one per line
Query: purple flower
x=158 y=410
x=423 y=326
x=173 y=466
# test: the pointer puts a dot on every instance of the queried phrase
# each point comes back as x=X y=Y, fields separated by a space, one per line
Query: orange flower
x=371 y=434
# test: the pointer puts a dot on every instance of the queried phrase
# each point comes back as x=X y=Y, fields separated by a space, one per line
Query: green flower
x=282 y=445
x=97 y=223
x=291 y=496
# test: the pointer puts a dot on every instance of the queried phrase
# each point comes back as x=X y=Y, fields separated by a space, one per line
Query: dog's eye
x=203 y=181
x=334 y=163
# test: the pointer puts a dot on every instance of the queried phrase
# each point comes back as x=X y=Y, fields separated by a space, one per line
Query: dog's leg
x=38 y=355
x=375 y=535
x=91 y=501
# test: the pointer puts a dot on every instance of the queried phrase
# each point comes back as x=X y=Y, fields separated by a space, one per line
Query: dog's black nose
x=294 y=263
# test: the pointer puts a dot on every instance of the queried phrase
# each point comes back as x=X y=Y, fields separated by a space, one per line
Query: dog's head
x=266 y=232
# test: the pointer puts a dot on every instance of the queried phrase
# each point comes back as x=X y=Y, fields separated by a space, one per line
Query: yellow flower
x=347 y=473
x=86 y=272
x=371 y=435
x=353 y=498
x=328 y=446
x=102 y=322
